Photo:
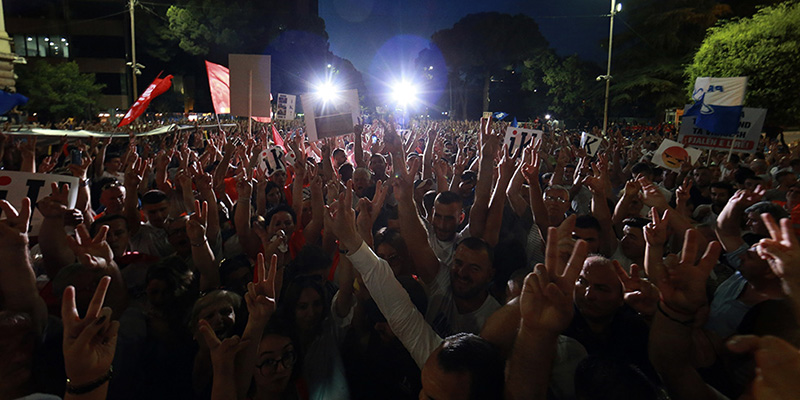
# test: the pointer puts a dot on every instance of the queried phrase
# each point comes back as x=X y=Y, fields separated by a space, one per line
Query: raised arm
x=358 y=146
x=598 y=185
x=17 y=279
x=531 y=173
x=683 y=299
x=483 y=187
x=546 y=310
x=406 y=321
x=52 y=241
x=729 y=221
x=202 y=255
x=494 y=220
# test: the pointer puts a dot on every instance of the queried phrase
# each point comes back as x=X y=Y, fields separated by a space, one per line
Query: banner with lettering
x=745 y=140
x=14 y=186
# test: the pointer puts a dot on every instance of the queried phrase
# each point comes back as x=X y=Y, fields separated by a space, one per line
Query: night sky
x=375 y=34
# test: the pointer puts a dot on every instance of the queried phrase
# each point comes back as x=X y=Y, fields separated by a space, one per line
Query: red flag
x=276 y=137
x=219 y=81
x=159 y=86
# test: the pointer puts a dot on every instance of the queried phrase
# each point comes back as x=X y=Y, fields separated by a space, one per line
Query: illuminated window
x=41 y=46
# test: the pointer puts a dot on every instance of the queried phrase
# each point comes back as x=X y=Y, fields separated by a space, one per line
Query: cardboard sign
x=330 y=117
x=14 y=186
x=591 y=143
x=286 y=104
x=746 y=140
x=272 y=160
x=671 y=155
x=250 y=85
x=518 y=139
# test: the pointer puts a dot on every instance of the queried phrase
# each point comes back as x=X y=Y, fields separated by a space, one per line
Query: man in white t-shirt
x=456 y=270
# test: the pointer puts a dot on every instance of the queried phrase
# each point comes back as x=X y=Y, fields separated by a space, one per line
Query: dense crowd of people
x=428 y=262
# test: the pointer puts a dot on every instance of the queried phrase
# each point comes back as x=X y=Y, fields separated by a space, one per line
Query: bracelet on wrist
x=83 y=182
x=688 y=322
x=83 y=389
x=199 y=244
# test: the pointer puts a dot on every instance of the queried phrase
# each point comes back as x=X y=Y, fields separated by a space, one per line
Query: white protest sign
x=286 y=104
x=272 y=160
x=591 y=143
x=250 y=85
x=330 y=116
x=518 y=139
x=671 y=155
x=14 y=186
x=746 y=139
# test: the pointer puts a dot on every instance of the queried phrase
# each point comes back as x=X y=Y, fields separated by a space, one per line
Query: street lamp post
x=615 y=8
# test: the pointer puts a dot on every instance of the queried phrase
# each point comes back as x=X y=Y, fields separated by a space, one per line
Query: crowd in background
x=427 y=261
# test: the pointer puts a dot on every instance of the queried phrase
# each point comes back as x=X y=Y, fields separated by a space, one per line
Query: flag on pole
x=514 y=123
x=219 y=81
x=500 y=115
x=159 y=86
x=718 y=104
x=276 y=137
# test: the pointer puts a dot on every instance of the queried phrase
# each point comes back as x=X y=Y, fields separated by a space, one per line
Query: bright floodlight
x=619 y=7
x=547 y=116
x=327 y=91
x=404 y=93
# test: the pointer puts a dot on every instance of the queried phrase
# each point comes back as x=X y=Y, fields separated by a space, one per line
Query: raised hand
x=244 y=184
x=135 y=173
x=652 y=196
x=341 y=218
x=403 y=182
x=368 y=210
x=683 y=283
x=546 y=300
x=782 y=251
x=223 y=353
x=777 y=366
x=92 y=252
x=655 y=232
x=530 y=170
x=14 y=229
x=55 y=205
x=640 y=294
x=262 y=294
x=89 y=342
x=197 y=224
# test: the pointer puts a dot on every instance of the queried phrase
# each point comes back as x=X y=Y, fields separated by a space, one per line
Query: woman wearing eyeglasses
x=276 y=374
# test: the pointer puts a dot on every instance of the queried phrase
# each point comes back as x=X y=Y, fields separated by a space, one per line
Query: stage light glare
x=327 y=91
x=404 y=93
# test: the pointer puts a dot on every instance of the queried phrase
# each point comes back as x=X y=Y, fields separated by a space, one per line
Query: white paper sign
x=272 y=160
x=285 y=109
x=14 y=186
x=750 y=124
x=250 y=85
x=590 y=143
x=330 y=117
x=671 y=155
x=518 y=139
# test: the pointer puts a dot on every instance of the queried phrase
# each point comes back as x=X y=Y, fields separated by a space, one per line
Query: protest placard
x=517 y=139
x=671 y=155
x=286 y=106
x=590 y=143
x=330 y=116
x=272 y=160
x=745 y=140
x=250 y=85
x=14 y=186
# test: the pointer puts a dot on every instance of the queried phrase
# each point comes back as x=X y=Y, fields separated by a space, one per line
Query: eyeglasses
x=287 y=360
x=556 y=199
